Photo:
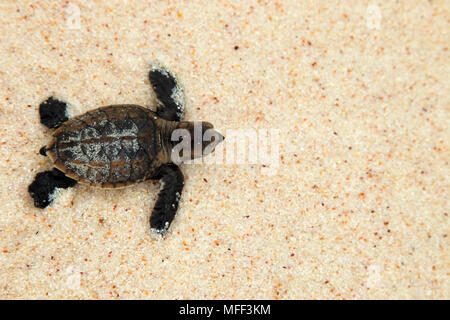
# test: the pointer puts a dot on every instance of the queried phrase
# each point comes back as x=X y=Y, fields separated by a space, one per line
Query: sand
x=356 y=209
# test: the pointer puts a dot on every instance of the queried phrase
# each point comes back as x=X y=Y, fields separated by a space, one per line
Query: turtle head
x=191 y=140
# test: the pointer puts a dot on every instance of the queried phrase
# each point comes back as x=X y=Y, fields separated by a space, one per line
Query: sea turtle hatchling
x=120 y=145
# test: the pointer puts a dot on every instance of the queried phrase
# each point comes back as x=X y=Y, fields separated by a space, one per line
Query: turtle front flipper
x=169 y=93
x=44 y=186
x=168 y=199
x=53 y=112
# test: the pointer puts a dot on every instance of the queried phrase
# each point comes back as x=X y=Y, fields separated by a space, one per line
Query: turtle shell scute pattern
x=109 y=147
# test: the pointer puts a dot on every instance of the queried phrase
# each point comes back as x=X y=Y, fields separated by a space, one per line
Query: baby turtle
x=120 y=145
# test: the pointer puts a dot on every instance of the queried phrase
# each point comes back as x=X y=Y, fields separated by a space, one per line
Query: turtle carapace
x=120 y=145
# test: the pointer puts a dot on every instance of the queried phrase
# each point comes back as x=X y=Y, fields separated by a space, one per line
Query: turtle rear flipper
x=45 y=184
x=169 y=93
x=53 y=112
x=168 y=199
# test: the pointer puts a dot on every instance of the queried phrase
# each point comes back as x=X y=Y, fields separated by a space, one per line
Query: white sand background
x=358 y=207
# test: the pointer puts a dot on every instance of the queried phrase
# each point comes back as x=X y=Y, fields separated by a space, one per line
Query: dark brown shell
x=109 y=147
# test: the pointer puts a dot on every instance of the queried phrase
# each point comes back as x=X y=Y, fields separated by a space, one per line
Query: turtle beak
x=218 y=137
x=210 y=144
